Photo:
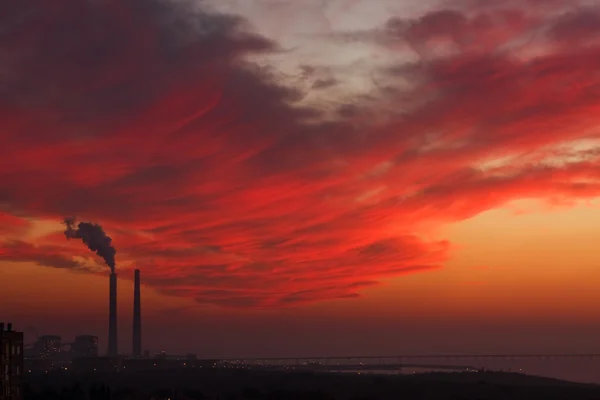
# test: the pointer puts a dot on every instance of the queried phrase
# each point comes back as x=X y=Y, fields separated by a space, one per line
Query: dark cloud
x=324 y=83
x=47 y=256
x=577 y=27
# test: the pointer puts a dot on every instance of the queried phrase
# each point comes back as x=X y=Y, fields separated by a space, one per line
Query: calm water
x=585 y=370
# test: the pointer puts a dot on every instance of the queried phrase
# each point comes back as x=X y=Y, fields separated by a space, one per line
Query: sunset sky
x=316 y=177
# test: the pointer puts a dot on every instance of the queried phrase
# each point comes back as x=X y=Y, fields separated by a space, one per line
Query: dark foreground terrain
x=242 y=384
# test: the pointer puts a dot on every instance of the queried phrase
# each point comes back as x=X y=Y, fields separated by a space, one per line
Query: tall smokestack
x=112 y=317
x=137 y=316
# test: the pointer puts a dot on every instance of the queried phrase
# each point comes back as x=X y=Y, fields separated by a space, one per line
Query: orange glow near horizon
x=525 y=266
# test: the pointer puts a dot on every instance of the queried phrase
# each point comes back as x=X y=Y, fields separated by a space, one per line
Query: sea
x=583 y=369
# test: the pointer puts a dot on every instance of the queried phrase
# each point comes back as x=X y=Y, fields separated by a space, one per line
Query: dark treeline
x=181 y=385
x=103 y=392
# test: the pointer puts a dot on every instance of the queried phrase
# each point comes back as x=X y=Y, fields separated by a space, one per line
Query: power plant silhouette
x=112 y=316
x=137 y=316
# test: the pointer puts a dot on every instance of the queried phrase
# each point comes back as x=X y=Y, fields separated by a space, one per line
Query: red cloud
x=12 y=225
x=203 y=171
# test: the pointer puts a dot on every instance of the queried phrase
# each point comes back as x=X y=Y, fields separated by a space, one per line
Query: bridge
x=401 y=358
x=387 y=367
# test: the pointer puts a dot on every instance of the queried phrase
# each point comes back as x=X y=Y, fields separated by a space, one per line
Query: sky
x=325 y=177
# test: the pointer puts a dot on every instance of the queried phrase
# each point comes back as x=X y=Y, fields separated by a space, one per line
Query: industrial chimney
x=112 y=316
x=137 y=316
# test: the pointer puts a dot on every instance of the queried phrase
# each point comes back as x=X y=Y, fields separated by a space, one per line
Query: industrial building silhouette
x=50 y=352
x=11 y=363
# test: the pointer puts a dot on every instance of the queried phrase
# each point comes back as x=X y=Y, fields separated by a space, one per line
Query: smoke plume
x=94 y=237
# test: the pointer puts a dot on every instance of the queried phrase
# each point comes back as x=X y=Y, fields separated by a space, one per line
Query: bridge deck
x=391 y=367
x=330 y=360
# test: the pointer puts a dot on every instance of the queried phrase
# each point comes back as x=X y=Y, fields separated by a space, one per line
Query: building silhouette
x=11 y=363
x=48 y=346
x=85 y=346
